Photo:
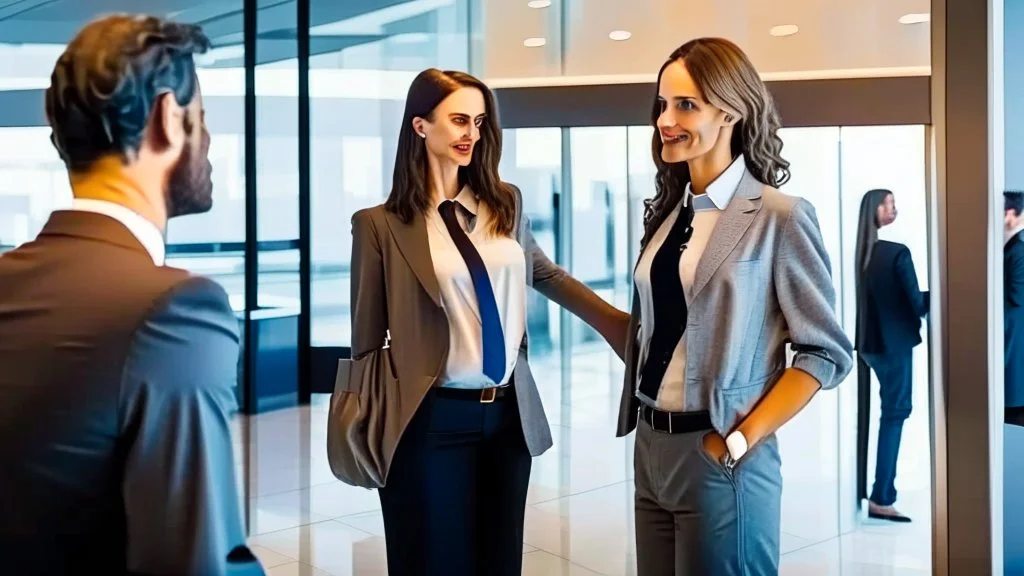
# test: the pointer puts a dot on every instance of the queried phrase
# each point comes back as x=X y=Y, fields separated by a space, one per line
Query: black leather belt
x=675 y=422
x=483 y=396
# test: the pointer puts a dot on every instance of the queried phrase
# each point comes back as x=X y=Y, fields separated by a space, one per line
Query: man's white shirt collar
x=144 y=231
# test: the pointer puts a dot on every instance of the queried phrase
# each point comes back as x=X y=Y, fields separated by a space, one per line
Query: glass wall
x=362 y=60
x=35 y=182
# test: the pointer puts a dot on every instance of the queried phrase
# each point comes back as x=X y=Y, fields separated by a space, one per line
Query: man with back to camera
x=117 y=374
x=1013 y=306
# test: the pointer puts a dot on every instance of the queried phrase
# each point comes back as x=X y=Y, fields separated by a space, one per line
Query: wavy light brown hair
x=728 y=80
x=410 y=186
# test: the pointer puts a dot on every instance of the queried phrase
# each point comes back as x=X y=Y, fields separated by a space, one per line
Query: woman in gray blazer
x=731 y=271
x=443 y=267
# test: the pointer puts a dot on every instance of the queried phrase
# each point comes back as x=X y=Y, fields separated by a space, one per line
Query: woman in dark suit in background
x=890 y=305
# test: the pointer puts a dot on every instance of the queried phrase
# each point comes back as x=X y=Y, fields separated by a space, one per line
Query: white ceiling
x=836 y=38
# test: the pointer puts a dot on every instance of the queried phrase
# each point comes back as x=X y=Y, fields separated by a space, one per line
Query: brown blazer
x=117 y=388
x=394 y=286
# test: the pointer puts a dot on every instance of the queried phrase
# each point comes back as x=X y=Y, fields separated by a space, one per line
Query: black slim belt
x=483 y=396
x=675 y=422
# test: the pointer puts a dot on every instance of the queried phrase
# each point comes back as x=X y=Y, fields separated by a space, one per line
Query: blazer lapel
x=731 y=226
x=412 y=242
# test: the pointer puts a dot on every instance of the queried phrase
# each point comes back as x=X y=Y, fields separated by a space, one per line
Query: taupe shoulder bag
x=357 y=420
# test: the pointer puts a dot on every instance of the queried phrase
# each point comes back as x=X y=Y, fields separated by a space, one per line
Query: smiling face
x=453 y=129
x=689 y=125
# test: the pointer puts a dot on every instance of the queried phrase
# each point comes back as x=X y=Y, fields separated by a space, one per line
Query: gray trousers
x=695 y=518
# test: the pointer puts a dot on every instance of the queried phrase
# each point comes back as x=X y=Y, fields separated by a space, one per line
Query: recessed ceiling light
x=534 y=42
x=915 y=18
x=620 y=35
x=539 y=3
x=784 y=30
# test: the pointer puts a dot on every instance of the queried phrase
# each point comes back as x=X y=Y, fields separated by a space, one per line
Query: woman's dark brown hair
x=728 y=80
x=867 y=236
x=410 y=187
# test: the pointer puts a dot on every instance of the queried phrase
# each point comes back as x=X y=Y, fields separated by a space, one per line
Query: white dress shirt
x=707 y=208
x=144 y=231
x=506 y=266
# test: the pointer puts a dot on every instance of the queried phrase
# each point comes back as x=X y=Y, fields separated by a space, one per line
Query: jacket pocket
x=736 y=402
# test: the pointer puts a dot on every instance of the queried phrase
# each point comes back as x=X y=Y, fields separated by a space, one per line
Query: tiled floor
x=579 y=521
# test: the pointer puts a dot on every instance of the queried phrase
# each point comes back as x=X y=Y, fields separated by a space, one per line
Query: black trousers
x=455 y=498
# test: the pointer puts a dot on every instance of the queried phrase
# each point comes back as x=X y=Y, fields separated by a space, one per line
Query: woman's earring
x=422 y=134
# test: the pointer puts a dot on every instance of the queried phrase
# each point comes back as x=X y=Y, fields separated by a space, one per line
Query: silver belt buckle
x=487 y=395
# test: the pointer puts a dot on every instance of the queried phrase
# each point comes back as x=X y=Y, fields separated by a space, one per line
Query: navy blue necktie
x=493 y=336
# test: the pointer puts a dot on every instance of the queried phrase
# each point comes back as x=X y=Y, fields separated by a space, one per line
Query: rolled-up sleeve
x=803 y=283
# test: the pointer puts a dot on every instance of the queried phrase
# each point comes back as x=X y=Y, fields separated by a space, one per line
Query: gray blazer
x=394 y=286
x=763 y=281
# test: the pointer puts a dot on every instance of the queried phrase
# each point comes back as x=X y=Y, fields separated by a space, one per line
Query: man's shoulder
x=177 y=293
x=188 y=339
x=159 y=291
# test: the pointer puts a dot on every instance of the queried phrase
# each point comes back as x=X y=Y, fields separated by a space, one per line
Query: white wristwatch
x=736 y=448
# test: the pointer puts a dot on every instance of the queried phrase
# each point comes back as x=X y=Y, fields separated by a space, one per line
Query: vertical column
x=966 y=319
x=302 y=22
x=251 y=263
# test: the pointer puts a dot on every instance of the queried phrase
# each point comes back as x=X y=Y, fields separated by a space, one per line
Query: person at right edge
x=1013 y=306
x=890 y=305
x=731 y=270
x=118 y=373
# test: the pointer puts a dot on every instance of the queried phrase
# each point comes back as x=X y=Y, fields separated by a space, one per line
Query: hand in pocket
x=714 y=446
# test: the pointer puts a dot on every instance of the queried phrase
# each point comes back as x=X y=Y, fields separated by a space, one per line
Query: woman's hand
x=714 y=446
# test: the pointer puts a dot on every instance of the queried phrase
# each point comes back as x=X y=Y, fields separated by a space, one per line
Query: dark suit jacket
x=890 y=304
x=1013 y=320
x=116 y=392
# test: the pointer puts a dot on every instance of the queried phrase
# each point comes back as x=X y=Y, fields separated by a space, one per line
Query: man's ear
x=167 y=124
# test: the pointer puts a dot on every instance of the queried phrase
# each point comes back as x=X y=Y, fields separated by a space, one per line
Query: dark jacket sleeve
x=1013 y=276
x=176 y=402
x=919 y=301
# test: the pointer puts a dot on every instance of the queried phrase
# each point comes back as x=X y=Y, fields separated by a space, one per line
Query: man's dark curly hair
x=107 y=81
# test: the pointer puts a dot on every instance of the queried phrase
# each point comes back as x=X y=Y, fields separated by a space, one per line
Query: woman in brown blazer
x=443 y=266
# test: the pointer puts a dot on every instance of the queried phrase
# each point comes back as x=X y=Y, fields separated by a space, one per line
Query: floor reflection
x=580 y=517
